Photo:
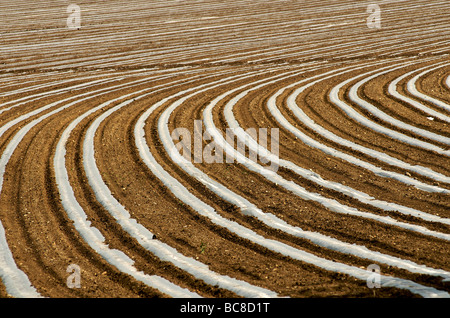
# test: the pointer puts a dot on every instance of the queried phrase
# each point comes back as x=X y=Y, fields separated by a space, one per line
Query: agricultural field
x=224 y=149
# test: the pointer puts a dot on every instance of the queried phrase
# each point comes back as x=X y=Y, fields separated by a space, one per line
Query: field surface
x=352 y=130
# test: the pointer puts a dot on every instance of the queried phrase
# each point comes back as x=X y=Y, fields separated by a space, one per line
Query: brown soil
x=140 y=41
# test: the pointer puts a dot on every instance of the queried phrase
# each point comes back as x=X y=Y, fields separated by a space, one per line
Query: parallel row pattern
x=89 y=175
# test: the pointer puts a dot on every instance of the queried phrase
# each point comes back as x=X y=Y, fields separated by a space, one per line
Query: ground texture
x=88 y=175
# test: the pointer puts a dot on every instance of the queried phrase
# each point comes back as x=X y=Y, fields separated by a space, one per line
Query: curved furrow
x=354 y=96
x=271 y=220
x=351 y=112
x=91 y=234
x=265 y=155
x=71 y=100
x=197 y=174
x=356 y=192
x=183 y=194
x=354 y=174
x=176 y=236
x=16 y=281
x=427 y=172
x=29 y=87
x=31 y=95
x=411 y=86
x=144 y=236
x=432 y=84
x=18 y=286
x=272 y=106
x=22 y=102
x=291 y=101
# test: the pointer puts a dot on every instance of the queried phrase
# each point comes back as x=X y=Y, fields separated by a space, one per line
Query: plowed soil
x=170 y=47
